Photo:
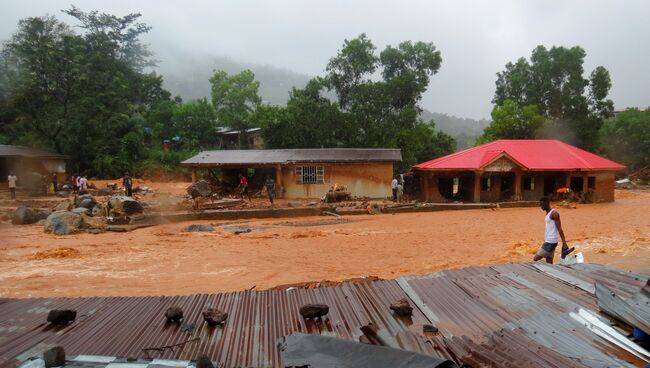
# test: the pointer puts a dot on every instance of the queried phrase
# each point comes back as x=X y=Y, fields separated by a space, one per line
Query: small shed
x=25 y=162
x=513 y=170
x=308 y=173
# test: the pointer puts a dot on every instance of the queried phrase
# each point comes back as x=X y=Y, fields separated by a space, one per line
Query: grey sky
x=476 y=38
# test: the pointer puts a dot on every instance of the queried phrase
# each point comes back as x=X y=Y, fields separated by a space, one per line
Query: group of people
x=79 y=183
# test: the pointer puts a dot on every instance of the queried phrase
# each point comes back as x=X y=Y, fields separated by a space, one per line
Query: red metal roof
x=540 y=154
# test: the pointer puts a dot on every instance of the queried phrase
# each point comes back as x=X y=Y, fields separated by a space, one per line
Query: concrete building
x=228 y=138
x=25 y=162
x=305 y=173
x=512 y=170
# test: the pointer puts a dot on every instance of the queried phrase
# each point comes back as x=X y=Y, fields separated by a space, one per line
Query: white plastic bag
x=573 y=259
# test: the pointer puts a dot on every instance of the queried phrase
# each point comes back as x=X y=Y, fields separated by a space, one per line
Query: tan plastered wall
x=362 y=179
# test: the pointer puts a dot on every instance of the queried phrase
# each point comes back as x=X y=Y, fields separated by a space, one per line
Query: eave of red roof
x=535 y=155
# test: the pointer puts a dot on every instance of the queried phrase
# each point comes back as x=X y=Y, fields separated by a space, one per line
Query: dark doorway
x=576 y=184
x=549 y=185
x=507 y=186
x=446 y=187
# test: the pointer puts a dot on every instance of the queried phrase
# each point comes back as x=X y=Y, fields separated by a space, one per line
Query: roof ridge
x=456 y=154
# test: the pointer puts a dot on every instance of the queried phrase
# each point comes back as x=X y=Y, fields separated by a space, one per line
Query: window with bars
x=310 y=174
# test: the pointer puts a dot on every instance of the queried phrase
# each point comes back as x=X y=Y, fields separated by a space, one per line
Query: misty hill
x=464 y=130
x=189 y=78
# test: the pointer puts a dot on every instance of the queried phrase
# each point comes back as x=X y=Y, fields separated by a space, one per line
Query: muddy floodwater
x=165 y=260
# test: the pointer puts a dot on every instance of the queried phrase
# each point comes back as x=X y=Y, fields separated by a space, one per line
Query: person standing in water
x=551 y=232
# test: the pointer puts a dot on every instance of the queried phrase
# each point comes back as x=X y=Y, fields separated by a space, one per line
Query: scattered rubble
x=237 y=229
x=98 y=210
x=81 y=211
x=174 y=314
x=294 y=204
x=199 y=189
x=373 y=209
x=85 y=201
x=61 y=316
x=214 y=316
x=93 y=223
x=203 y=361
x=63 y=222
x=642 y=174
x=120 y=205
x=23 y=216
x=63 y=206
x=54 y=357
x=402 y=308
x=106 y=191
x=42 y=215
x=195 y=228
x=314 y=310
x=338 y=193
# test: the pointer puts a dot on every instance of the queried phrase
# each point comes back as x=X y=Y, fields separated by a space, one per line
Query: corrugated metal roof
x=124 y=326
x=507 y=315
x=532 y=154
x=472 y=309
x=284 y=156
x=22 y=151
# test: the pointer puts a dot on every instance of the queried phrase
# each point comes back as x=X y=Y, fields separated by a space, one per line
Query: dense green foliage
x=235 y=99
x=626 y=138
x=552 y=81
x=83 y=95
x=512 y=121
x=366 y=113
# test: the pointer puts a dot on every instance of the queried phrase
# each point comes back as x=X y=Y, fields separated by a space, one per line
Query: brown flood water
x=164 y=260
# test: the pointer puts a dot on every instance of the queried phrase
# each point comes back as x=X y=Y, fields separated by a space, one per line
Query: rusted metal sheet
x=285 y=156
x=634 y=311
x=507 y=315
x=475 y=304
x=124 y=326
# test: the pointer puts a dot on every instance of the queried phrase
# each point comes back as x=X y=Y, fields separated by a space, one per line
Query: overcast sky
x=476 y=38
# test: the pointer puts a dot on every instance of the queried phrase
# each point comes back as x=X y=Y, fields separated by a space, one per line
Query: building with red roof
x=507 y=170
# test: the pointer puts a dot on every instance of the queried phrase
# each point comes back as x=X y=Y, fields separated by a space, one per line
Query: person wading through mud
x=270 y=189
x=127 y=183
x=243 y=187
x=553 y=228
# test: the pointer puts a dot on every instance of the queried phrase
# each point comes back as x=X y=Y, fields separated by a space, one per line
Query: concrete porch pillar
x=193 y=175
x=279 y=187
x=518 y=176
x=477 y=187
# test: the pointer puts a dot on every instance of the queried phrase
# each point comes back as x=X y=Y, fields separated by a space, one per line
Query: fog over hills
x=189 y=79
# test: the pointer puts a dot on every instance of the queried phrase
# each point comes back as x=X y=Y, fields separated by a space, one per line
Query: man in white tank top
x=551 y=232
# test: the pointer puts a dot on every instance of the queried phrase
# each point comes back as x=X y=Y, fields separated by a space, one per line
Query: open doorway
x=507 y=186
x=576 y=184
x=549 y=185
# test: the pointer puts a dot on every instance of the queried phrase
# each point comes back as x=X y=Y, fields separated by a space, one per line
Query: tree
x=195 y=122
x=122 y=32
x=553 y=81
x=82 y=95
x=512 y=121
x=347 y=70
x=235 y=98
x=626 y=138
x=367 y=112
